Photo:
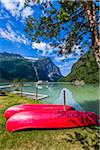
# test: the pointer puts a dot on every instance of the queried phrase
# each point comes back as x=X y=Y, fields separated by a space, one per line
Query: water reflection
x=82 y=98
x=58 y=98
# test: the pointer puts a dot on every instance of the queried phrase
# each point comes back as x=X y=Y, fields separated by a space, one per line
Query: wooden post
x=36 y=92
x=64 y=100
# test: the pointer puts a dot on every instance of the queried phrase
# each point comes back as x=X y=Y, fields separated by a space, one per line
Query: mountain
x=85 y=69
x=47 y=70
x=14 y=66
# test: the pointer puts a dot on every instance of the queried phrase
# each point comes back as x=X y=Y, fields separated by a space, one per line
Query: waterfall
x=50 y=76
x=35 y=69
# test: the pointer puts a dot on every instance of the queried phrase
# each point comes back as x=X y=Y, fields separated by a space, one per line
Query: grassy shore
x=85 y=138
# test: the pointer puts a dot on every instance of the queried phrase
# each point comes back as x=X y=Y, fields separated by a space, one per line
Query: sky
x=14 y=39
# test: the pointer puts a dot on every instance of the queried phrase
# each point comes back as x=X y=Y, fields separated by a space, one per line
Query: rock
x=2 y=93
x=79 y=83
x=47 y=70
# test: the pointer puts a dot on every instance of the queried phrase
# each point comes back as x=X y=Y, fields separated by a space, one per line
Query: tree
x=90 y=10
x=74 y=19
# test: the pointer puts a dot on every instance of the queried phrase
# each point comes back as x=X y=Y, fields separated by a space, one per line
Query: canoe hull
x=31 y=119
x=36 y=107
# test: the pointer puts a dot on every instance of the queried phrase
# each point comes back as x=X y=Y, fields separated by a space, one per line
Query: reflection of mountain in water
x=81 y=97
x=87 y=96
x=69 y=99
x=56 y=96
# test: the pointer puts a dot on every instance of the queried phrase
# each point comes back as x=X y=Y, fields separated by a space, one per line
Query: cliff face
x=47 y=70
x=85 y=69
x=13 y=66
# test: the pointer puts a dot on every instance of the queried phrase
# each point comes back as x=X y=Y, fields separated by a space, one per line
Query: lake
x=81 y=97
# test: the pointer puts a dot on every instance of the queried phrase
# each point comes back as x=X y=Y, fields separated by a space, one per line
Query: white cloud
x=11 y=6
x=16 y=8
x=27 y=12
x=13 y=36
x=45 y=1
x=44 y=49
x=76 y=49
x=32 y=59
x=21 y=4
x=41 y=46
x=60 y=58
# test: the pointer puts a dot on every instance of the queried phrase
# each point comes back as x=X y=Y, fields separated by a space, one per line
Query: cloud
x=32 y=59
x=76 y=48
x=44 y=49
x=11 y=6
x=27 y=12
x=60 y=58
x=16 y=8
x=41 y=46
x=13 y=36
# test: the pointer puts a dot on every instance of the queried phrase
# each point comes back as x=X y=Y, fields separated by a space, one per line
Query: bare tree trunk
x=90 y=10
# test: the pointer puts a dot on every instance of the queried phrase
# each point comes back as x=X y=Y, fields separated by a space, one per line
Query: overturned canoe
x=36 y=107
x=69 y=119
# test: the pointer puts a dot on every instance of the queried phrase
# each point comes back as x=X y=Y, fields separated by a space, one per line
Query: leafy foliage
x=61 y=23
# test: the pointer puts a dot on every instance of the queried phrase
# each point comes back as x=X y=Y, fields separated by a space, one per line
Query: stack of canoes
x=47 y=116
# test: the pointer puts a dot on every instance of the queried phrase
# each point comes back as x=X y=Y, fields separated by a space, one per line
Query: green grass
x=63 y=139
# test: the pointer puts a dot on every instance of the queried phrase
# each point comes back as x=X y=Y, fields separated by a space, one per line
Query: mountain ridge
x=85 y=69
x=16 y=66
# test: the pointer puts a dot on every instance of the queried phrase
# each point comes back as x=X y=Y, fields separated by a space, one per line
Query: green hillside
x=84 y=69
x=14 y=66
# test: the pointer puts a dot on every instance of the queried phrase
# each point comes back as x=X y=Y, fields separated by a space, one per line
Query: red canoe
x=36 y=107
x=69 y=119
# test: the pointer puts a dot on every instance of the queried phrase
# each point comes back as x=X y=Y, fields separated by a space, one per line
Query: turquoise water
x=81 y=97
